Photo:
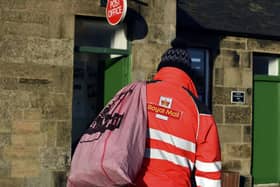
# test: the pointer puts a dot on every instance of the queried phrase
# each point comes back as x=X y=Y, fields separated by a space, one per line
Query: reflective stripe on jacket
x=182 y=135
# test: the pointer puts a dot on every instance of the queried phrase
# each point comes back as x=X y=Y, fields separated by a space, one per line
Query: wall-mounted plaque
x=238 y=97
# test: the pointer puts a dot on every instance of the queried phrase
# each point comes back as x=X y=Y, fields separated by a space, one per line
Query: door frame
x=256 y=78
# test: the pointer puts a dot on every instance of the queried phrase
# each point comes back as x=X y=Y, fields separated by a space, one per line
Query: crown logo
x=164 y=103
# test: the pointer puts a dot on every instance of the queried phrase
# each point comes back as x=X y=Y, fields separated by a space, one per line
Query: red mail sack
x=111 y=151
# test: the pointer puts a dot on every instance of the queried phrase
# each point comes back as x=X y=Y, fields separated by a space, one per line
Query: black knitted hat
x=177 y=56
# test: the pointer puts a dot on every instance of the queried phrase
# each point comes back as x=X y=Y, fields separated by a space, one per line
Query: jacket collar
x=177 y=77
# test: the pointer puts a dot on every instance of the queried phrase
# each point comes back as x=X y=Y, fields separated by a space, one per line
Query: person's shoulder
x=202 y=108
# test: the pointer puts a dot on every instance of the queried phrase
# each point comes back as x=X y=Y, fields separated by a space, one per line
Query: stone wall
x=233 y=71
x=36 y=62
x=36 y=73
x=146 y=53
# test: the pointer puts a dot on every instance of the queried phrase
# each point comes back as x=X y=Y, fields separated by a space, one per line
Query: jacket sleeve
x=208 y=154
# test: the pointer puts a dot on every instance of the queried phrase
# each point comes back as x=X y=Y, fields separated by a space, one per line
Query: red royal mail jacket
x=182 y=135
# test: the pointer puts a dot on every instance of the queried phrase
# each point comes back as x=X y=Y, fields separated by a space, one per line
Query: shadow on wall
x=137 y=27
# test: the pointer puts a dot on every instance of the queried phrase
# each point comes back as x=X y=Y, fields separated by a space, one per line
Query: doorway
x=266 y=122
x=101 y=68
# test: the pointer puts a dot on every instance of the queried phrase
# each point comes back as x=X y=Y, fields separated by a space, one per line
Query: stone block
x=5 y=126
x=5 y=112
x=8 y=83
x=4 y=168
x=25 y=29
x=35 y=5
x=245 y=167
x=139 y=75
x=218 y=61
x=220 y=96
x=32 y=115
x=219 y=76
x=12 y=182
x=247 y=134
x=63 y=135
x=68 y=26
x=13 y=4
x=235 y=45
x=63 y=80
x=148 y=57
x=247 y=78
x=17 y=114
x=239 y=151
x=55 y=28
x=58 y=52
x=231 y=165
x=60 y=178
x=25 y=17
x=57 y=113
x=25 y=168
x=248 y=181
x=264 y=45
x=234 y=38
x=25 y=127
x=15 y=152
x=161 y=33
x=42 y=99
x=54 y=158
x=30 y=140
x=237 y=114
x=28 y=71
x=18 y=99
x=49 y=127
x=230 y=133
x=13 y=46
x=218 y=113
x=232 y=77
x=36 y=182
x=160 y=13
x=230 y=58
x=47 y=178
x=5 y=139
x=88 y=7
x=246 y=59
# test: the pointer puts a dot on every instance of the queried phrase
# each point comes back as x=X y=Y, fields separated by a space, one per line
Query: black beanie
x=177 y=56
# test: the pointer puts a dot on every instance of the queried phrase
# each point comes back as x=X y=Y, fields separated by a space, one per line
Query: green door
x=266 y=130
x=117 y=75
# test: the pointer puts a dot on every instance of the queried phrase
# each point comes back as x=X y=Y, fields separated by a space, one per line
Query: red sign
x=115 y=11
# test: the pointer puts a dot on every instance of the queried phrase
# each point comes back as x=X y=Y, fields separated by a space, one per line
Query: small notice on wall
x=238 y=97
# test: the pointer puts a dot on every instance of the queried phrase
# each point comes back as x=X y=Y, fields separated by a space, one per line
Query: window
x=266 y=64
x=201 y=69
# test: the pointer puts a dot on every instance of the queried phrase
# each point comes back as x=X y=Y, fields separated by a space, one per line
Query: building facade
x=61 y=61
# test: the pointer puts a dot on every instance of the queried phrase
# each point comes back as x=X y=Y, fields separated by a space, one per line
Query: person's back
x=180 y=134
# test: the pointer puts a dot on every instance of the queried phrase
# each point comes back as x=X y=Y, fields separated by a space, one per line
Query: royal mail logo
x=163 y=111
x=165 y=102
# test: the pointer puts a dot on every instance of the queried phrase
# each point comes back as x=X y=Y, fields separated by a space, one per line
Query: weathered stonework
x=161 y=20
x=233 y=71
x=36 y=90
x=241 y=115
x=36 y=79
